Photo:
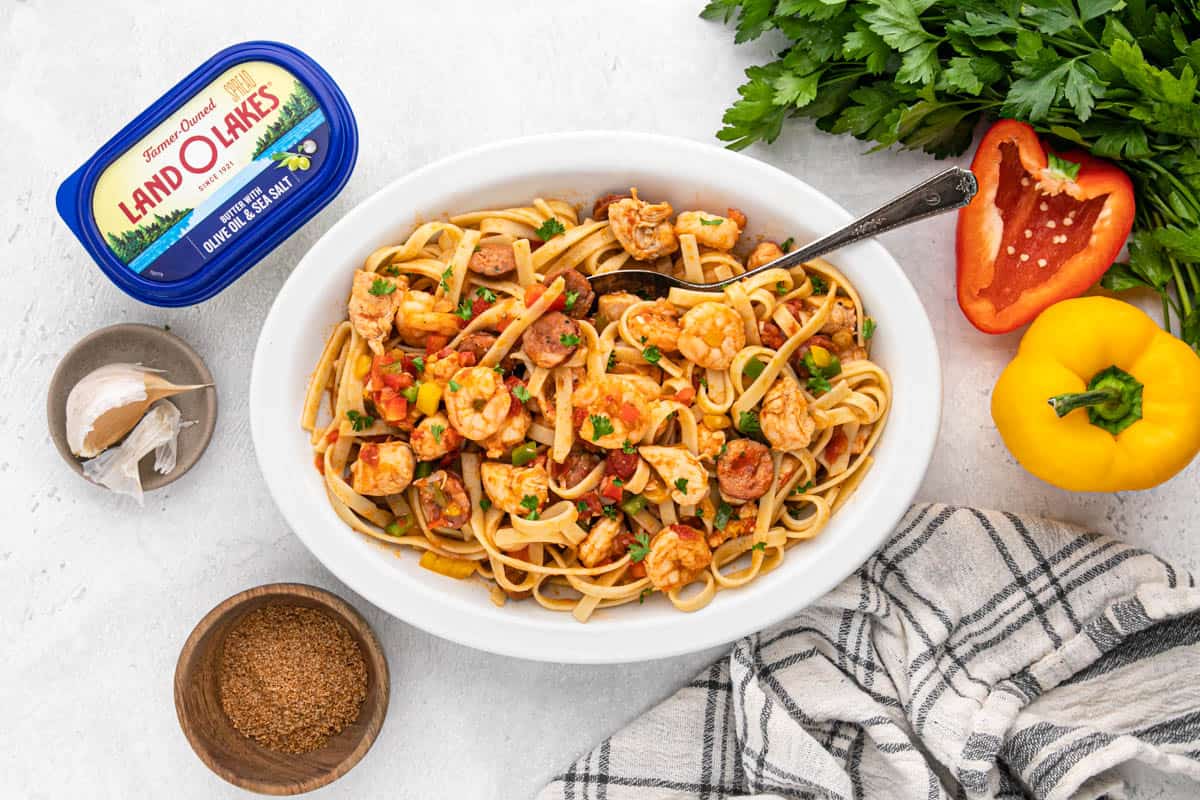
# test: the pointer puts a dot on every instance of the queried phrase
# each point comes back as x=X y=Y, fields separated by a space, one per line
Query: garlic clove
x=108 y=402
x=117 y=467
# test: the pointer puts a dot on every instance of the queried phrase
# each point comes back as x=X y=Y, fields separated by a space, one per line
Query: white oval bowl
x=579 y=167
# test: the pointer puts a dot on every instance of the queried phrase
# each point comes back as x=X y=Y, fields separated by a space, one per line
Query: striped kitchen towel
x=977 y=655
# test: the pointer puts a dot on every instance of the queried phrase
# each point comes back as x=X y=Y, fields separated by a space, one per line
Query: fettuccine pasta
x=481 y=405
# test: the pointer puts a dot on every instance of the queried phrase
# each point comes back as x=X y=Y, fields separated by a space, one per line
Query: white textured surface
x=96 y=597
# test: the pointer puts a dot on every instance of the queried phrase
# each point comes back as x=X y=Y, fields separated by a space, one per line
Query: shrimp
x=600 y=543
x=510 y=486
x=677 y=556
x=656 y=325
x=382 y=468
x=643 y=229
x=477 y=402
x=719 y=233
x=712 y=335
x=373 y=302
x=784 y=416
x=434 y=437
x=680 y=470
x=615 y=411
x=764 y=253
x=511 y=433
x=420 y=314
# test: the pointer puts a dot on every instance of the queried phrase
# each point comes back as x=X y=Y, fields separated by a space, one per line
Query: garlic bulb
x=109 y=401
x=117 y=467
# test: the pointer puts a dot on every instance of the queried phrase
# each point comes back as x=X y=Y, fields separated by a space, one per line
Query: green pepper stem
x=1064 y=404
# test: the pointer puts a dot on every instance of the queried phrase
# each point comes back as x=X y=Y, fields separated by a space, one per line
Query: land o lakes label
x=196 y=183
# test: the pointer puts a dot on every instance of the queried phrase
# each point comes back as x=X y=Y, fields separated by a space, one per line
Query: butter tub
x=213 y=175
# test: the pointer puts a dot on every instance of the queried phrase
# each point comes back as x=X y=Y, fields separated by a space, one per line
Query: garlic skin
x=100 y=391
x=117 y=467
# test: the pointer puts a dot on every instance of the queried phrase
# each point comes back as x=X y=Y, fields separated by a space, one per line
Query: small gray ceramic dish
x=153 y=347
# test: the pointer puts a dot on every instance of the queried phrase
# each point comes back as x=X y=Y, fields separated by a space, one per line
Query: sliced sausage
x=600 y=209
x=547 y=342
x=772 y=336
x=444 y=500
x=577 y=284
x=623 y=465
x=575 y=467
x=476 y=344
x=745 y=471
x=818 y=340
x=493 y=260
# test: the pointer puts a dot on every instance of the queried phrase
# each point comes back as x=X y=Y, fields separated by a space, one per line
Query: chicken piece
x=610 y=307
x=680 y=470
x=784 y=416
x=373 y=302
x=599 y=546
x=643 y=229
x=382 y=468
x=719 y=233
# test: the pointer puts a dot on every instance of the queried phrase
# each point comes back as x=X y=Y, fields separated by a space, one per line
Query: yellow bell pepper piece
x=1099 y=398
x=362 y=365
x=716 y=422
x=457 y=568
x=428 y=398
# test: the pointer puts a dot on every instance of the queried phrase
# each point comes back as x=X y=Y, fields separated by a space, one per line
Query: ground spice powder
x=291 y=677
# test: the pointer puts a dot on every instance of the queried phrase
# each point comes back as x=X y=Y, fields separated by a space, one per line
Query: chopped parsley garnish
x=571 y=298
x=753 y=368
x=359 y=421
x=781 y=287
x=794 y=513
x=681 y=485
x=391 y=269
x=601 y=426
x=419 y=363
x=455 y=386
x=723 y=515
x=521 y=393
x=568 y=340
x=711 y=222
x=485 y=294
x=822 y=363
x=651 y=354
x=748 y=422
x=868 y=328
x=530 y=503
x=819 y=284
x=759 y=546
x=499 y=370
x=640 y=547
x=721 y=452
x=549 y=229
x=618 y=482
x=581 y=506
x=645 y=593
x=612 y=362
x=381 y=287
x=610 y=511
x=464 y=310
x=485 y=504
x=699 y=512
x=819 y=385
x=704 y=381
x=803 y=488
x=627 y=448
x=446 y=276
x=787 y=244
x=477 y=249
x=437 y=431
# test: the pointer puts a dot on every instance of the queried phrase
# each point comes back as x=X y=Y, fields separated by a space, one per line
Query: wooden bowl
x=241 y=760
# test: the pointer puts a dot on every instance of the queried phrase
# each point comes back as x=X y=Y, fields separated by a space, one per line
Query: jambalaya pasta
x=486 y=408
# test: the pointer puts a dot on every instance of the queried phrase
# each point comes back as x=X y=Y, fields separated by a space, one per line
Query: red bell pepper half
x=1044 y=227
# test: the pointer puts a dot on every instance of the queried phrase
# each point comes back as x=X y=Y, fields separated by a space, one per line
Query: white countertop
x=96 y=597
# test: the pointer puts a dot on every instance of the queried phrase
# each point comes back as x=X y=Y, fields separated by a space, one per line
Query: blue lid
x=213 y=175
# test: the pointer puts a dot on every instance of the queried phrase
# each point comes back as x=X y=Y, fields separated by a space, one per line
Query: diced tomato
x=638 y=570
x=410 y=364
x=479 y=306
x=536 y=290
x=629 y=414
x=686 y=395
x=391 y=404
x=620 y=464
x=594 y=507
x=397 y=380
x=578 y=416
x=435 y=342
x=503 y=323
x=332 y=436
x=610 y=489
x=836 y=445
x=466 y=359
x=622 y=541
x=319 y=462
x=369 y=454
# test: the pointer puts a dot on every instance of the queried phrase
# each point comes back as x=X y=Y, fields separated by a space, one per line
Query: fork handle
x=945 y=191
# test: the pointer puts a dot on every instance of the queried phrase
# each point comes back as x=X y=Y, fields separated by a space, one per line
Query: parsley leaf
x=359 y=421
x=820 y=286
x=485 y=503
x=549 y=229
x=643 y=595
x=568 y=340
x=581 y=506
x=445 y=281
x=627 y=448
x=464 y=310
x=759 y=546
x=391 y=269
x=818 y=385
x=681 y=484
x=713 y=221
x=485 y=294
x=530 y=503
x=612 y=362
x=748 y=422
x=601 y=426
x=781 y=288
x=723 y=515
x=639 y=548
x=786 y=247
x=651 y=354
x=521 y=393
x=437 y=431
x=572 y=297
x=868 y=328
x=419 y=363
x=454 y=386
x=754 y=367
x=801 y=489
x=381 y=287
x=609 y=511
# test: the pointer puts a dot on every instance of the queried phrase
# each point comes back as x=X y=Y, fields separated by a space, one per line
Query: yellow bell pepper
x=457 y=568
x=1099 y=398
x=429 y=396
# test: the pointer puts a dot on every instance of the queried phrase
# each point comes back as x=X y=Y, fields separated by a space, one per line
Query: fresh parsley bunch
x=1116 y=77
